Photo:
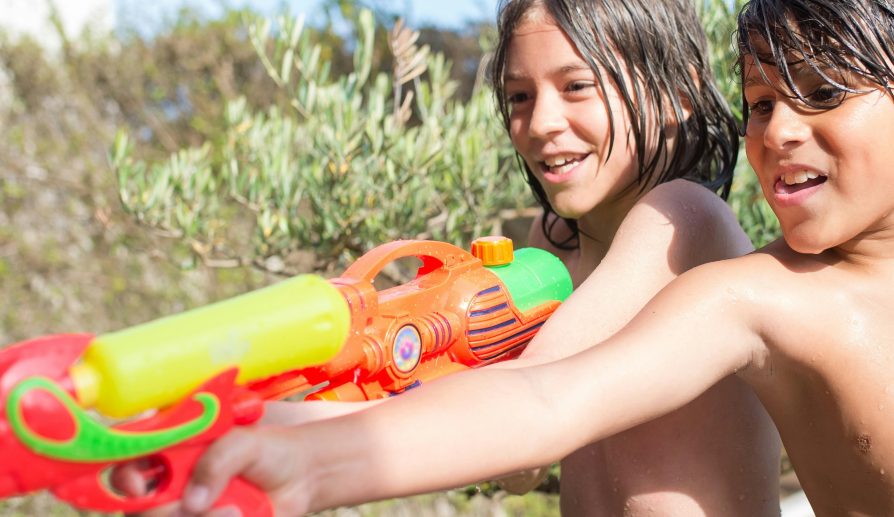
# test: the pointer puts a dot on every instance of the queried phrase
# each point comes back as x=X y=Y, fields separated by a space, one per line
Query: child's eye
x=826 y=95
x=578 y=86
x=763 y=107
x=516 y=98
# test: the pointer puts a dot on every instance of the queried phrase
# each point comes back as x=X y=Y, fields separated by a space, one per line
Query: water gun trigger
x=165 y=478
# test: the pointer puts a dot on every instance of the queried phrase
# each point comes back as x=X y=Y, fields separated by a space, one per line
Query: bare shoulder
x=764 y=273
x=766 y=291
x=754 y=288
x=782 y=274
x=536 y=235
x=681 y=197
x=685 y=221
x=834 y=294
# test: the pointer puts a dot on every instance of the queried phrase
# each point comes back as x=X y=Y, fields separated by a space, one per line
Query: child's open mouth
x=792 y=183
x=562 y=165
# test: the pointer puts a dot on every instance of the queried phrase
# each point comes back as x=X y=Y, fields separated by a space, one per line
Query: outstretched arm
x=483 y=423
x=297 y=413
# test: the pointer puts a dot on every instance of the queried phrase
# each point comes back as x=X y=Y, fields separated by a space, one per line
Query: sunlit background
x=148 y=17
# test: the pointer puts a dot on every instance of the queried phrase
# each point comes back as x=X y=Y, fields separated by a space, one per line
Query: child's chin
x=568 y=213
x=570 y=208
x=804 y=246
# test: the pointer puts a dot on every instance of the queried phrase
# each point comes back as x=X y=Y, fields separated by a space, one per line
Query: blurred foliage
x=172 y=90
x=354 y=160
x=754 y=213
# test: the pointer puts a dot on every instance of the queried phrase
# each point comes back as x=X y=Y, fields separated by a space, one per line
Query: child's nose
x=547 y=117
x=786 y=127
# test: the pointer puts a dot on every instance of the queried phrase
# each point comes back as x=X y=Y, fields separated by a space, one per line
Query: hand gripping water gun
x=76 y=406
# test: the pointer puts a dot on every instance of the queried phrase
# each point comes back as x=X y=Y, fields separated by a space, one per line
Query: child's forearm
x=375 y=459
x=297 y=413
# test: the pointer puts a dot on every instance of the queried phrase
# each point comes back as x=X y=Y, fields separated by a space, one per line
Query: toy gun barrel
x=463 y=310
x=298 y=322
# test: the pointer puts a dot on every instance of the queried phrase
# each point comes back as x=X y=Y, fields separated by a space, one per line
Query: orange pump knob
x=493 y=251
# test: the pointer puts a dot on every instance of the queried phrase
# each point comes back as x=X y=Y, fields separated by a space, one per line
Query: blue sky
x=451 y=13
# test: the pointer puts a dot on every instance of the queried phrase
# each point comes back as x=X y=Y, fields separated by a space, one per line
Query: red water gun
x=76 y=406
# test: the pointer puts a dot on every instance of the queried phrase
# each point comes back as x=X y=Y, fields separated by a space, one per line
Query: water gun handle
x=48 y=441
x=250 y=500
x=91 y=491
x=433 y=254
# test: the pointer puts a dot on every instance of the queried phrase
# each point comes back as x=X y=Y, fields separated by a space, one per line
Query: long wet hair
x=663 y=46
x=846 y=43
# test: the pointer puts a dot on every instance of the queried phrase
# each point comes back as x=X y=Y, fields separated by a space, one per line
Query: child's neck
x=599 y=227
x=871 y=248
x=602 y=222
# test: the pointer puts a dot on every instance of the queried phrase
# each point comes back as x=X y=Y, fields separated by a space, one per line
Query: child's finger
x=137 y=478
x=127 y=479
x=224 y=459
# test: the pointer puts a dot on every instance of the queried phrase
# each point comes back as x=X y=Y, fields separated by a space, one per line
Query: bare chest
x=829 y=386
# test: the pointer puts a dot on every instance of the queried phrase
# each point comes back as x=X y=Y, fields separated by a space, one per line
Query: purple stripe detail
x=489 y=290
x=510 y=338
x=495 y=308
x=506 y=323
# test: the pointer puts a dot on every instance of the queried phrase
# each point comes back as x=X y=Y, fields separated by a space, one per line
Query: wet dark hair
x=661 y=43
x=846 y=43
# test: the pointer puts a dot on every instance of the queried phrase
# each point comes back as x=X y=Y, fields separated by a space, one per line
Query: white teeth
x=561 y=164
x=794 y=178
x=563 y=169
x=558 y=161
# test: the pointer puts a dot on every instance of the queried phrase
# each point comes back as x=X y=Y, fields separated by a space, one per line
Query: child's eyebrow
x=754 y=81
x=799 y=72
x=575 y=66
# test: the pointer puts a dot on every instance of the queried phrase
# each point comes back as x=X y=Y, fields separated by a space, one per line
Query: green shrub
x=719 y=20
x=356 y=160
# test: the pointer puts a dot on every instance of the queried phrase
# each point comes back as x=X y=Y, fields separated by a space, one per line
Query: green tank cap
x=534 y=277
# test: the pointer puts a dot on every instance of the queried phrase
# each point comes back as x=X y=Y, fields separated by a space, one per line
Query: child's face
x=827 y=174
x=559 y=121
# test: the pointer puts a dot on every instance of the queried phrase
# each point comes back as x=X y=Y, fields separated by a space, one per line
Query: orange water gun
x=76 y=406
